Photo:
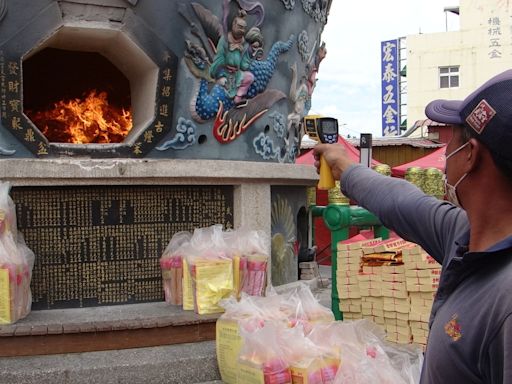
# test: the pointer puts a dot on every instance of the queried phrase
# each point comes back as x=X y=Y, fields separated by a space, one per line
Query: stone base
x=104 y=328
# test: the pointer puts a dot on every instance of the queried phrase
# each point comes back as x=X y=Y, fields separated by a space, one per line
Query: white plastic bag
x=16 y=263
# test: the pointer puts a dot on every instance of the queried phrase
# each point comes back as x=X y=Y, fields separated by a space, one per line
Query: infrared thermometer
x=327 y=131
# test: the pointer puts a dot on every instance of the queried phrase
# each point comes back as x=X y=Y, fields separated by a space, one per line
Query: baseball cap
x=487 y=112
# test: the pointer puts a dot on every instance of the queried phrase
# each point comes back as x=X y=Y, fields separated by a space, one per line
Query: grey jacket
x=470 y=339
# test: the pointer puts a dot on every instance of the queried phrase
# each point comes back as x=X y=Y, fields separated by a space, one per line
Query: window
x=448 y=77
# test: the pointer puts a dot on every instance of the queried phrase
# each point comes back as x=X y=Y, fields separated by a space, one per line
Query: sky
x=349 y=80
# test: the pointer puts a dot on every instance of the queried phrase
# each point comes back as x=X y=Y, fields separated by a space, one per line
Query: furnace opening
x=76 y=97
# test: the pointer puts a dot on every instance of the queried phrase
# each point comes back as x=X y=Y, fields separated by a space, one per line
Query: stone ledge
x=103 y=319
x=76 y=171
x=104 y=328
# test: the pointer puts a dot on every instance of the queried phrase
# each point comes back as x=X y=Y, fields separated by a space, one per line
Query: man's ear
x=474 y=155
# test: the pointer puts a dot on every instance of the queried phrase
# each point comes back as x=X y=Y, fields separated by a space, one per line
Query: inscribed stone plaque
x=101 y=245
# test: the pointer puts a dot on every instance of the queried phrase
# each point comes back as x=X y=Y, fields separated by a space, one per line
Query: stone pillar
x=251 y=204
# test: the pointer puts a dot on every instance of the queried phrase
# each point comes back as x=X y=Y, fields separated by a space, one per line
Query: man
x=470 y=337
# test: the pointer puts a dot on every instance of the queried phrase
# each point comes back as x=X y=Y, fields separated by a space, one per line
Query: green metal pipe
x=339 y=219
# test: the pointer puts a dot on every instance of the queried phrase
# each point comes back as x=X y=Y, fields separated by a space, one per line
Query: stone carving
x=266 y=148
x=299 y=97
x=279 y=123
x=185 y=136
x=313 y=66
x=228 y=61
x=7 y=152
x=302 y=45
x=289 y=4
x=317 y=9
x=284 y=242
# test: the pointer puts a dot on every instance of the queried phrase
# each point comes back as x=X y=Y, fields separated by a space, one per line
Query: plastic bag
x=171 y=264
x=249 y=251
x=244 y=314
x=16 y=264
x=211 y=269
x=309 y=363
x=367 y=358
x=303 y=308
x=261 y=358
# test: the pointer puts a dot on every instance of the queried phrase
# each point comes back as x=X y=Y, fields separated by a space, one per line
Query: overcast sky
x=349 y=80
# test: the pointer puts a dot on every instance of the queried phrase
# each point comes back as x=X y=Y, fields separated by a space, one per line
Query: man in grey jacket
x=470 y=338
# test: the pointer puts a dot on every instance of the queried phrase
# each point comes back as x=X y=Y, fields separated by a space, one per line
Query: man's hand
x=335 y=156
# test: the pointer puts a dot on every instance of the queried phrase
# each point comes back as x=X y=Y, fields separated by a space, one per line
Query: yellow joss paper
x=248 y=374
x=188 y=295
x=228 y=344
x=213 y=282
x=236 y=276
x=5 y=297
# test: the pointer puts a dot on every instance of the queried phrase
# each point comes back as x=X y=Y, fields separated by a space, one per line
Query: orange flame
x=79 y=121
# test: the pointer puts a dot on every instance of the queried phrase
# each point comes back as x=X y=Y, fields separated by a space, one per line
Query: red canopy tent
x=435 y=159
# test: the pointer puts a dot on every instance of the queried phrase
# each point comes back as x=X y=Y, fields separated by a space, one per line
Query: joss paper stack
x=422 y=274
x=372 y=303
x=387 y=257
x=349 y=264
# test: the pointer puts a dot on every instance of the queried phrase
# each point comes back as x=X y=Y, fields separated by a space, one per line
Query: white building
x=450 y=65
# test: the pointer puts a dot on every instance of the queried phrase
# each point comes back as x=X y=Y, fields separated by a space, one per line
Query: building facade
x=452 y=64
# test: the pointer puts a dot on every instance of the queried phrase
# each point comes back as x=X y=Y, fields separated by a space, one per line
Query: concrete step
x=192 y=363
x=80 y=330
